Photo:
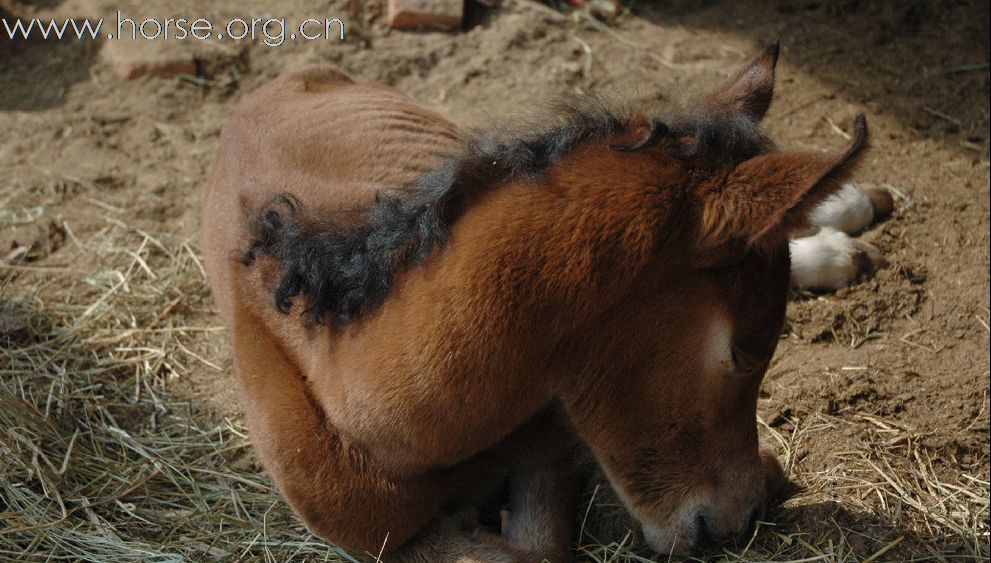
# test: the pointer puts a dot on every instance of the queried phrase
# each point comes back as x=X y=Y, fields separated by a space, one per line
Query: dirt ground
x=878 y=396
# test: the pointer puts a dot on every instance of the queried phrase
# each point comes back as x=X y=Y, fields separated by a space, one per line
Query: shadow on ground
x=924 y=62
x=37 y=73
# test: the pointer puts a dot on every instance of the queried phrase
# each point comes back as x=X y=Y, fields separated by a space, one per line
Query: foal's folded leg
x=339 y=492
x=448 y=540
x=539 y=517
x=539 y=510
x=539 y=514
x=536 y=526
x=542 y=486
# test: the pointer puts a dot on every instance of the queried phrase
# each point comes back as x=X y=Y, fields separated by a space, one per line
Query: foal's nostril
x=703 y=535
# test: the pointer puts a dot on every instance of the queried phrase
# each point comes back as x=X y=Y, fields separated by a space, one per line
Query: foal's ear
x=768 y=197
x=749 y=92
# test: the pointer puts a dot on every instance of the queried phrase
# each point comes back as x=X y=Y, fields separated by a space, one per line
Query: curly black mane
x=344 y=270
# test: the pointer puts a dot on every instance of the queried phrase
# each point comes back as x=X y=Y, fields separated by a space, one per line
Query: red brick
x=422 y=14
x=131 y=58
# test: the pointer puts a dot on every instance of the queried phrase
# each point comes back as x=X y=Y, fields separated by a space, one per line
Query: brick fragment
x=131 y=59
x=425 y=14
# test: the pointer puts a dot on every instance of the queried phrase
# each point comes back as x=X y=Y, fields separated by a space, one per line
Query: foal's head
x=668 y=376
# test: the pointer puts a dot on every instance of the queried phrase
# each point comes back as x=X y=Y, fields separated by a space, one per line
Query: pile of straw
x=98 y=460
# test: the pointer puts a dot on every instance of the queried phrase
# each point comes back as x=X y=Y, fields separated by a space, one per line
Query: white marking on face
x=718 y=353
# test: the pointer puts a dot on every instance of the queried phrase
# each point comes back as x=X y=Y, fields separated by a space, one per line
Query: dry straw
x=98 y=460
x=101 y=459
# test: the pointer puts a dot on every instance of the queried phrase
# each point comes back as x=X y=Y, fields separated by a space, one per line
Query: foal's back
x=334 y=142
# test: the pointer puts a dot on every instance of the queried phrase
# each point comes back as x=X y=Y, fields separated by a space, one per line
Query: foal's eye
x=743 y=363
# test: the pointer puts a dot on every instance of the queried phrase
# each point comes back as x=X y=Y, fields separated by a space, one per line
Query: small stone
x=572 y=67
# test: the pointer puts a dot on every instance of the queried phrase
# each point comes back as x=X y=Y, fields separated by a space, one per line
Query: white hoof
x=831 y=259
x=849 y=210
